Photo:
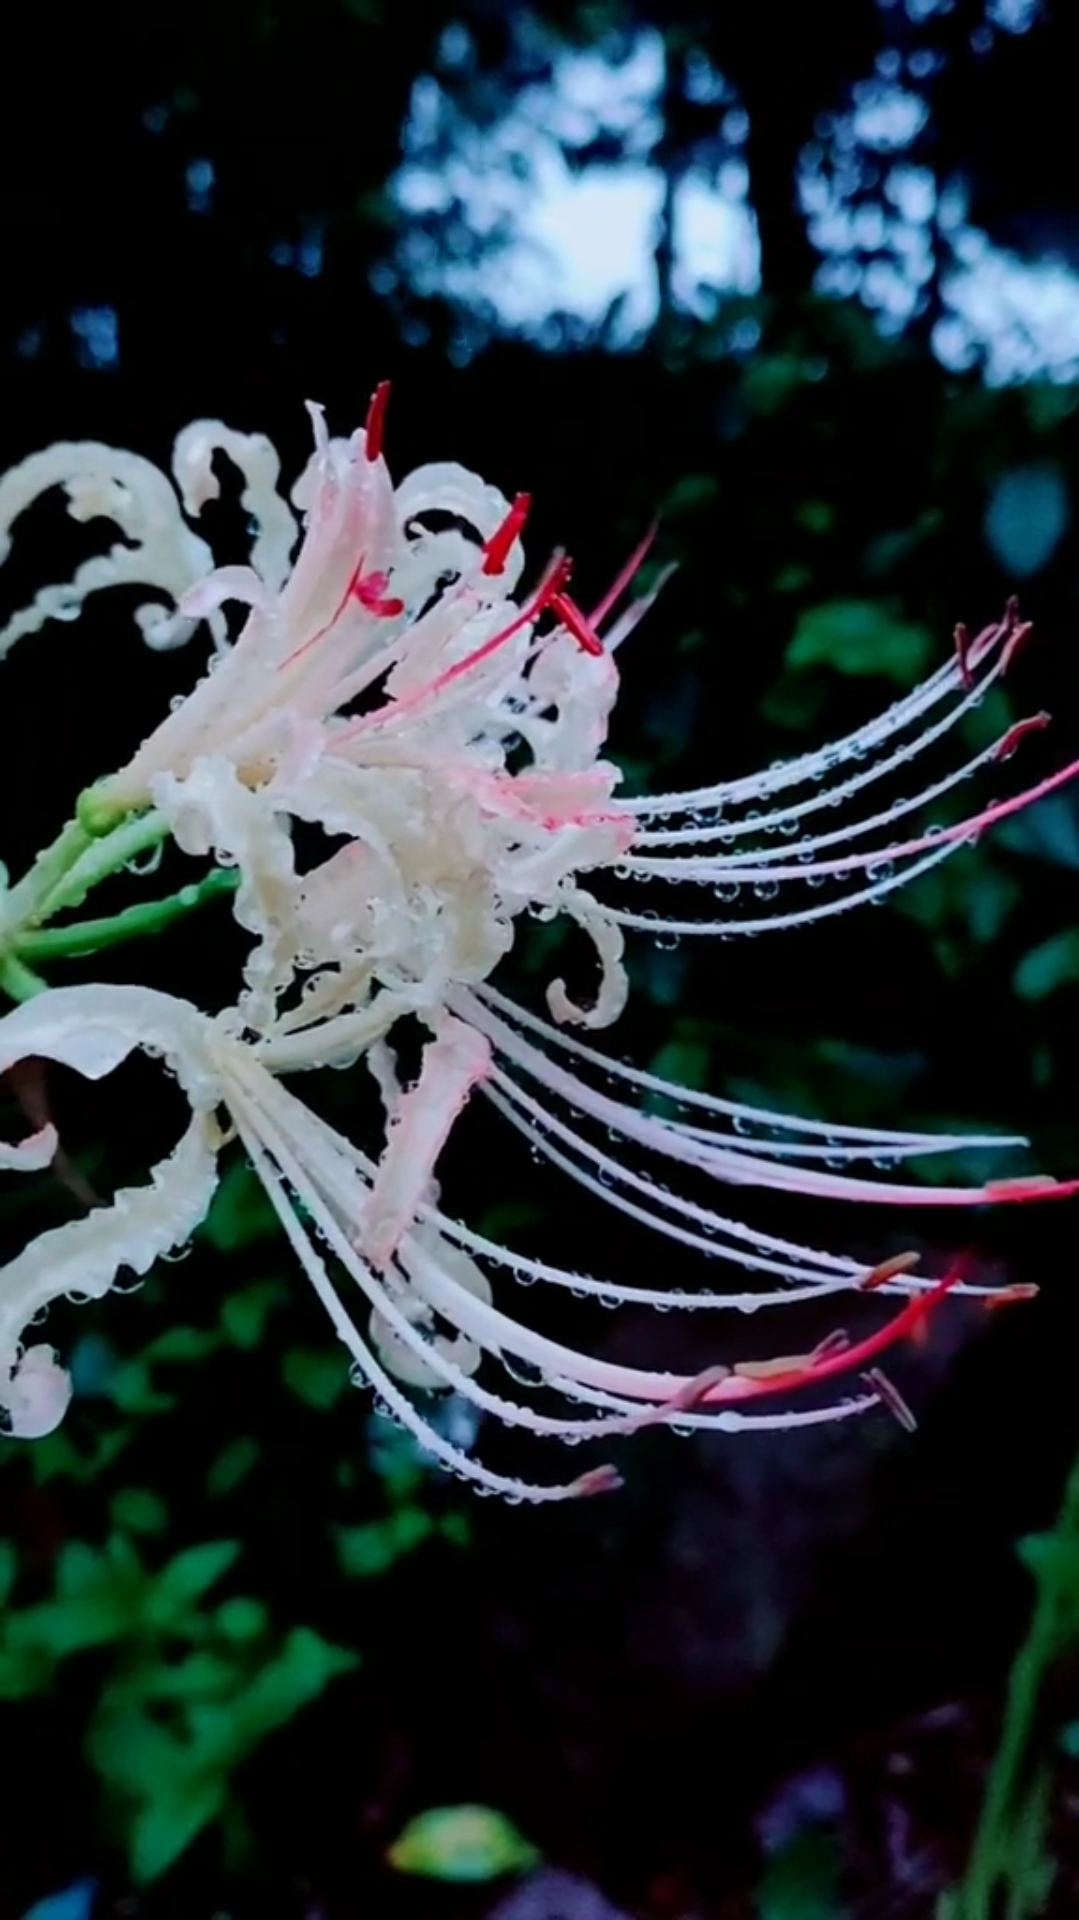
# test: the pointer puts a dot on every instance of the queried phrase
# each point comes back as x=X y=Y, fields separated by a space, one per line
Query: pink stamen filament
x=621 y=581
x=964 y=830
x=497 y=549
x=569 y=615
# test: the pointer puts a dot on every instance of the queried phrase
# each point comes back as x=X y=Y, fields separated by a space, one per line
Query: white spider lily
x=419 y=1278
x=389 y=690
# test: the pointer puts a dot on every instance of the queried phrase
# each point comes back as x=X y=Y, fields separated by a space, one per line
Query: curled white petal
x=35 y=1393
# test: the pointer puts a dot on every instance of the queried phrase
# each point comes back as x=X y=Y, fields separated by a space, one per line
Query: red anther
x=1008 y=742
x=833 y=1343
x=962 y=654
x=1037 y=1186
x=370 y=590
x=695 y=1391
x=496 y=550
x=1010 y=1296
x=890 y=1397
x=600 y=1480
x=888 y=1270
x=376 y=420
x=1017 y=635
x=570 y=616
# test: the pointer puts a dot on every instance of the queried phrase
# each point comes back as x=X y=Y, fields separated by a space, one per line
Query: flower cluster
x=392 y=686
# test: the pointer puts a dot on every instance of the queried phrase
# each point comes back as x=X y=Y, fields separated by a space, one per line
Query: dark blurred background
x=804 y=282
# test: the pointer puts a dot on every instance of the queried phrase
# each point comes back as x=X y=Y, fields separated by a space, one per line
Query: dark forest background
x=247 y=1638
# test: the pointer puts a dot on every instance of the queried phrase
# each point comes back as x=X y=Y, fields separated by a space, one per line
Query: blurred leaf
x=318 y=1375
x=304 y=1666
x=1054 y=964
x=183 y=1343
x=138 y=1510
x=860 y=637
x=232 y=1464
x=240 y=1212
x=816 y=516
x=466 y=1843
x=771 y=380
x=167 y=1824
x=241 y=1618
x=243 y=1314
x=690 y=494
x=133 y=1390
x=373 y=1548
x=57 y=1456
x=187 y=1578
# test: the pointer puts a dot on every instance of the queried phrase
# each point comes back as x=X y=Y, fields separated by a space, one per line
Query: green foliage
x=1010 y=1869
x=1048 y=967
x=860 y=638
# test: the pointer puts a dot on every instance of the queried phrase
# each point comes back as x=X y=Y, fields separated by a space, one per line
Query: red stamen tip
x=1018 y=634
x=834 y=1343
x=370 y=590
x=1010 y=1296
x=890 y=1397
x=570 y=616
x=376 y=420
x=696 y=1391
x=1009 y=741
x=888 y=1270
x=496 y=550
x=1037 y=1186
x=962 y=654
x=600 y=1480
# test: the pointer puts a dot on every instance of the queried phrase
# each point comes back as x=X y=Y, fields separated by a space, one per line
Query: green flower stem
x=99 y=859
x=1007 y=1872
x=18 y=981
x=151 y=916
x=23 y=902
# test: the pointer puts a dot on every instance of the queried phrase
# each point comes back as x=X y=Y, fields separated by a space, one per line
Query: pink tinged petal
x=36 y=1394
x=452 y=1065
x=351 y=528
x=36 y=1151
